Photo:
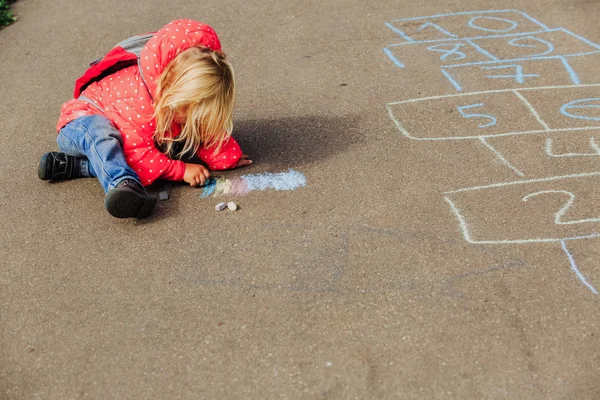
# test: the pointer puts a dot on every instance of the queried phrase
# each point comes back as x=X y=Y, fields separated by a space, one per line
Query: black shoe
x=129 y=199
x=59 y=166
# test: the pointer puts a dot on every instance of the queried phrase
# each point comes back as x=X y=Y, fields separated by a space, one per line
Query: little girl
x=133 y=126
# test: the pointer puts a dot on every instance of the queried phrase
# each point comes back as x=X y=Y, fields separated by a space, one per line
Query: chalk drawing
x=559 y=217
x=461 y=110
x=574 y=268
x=393 y=58
x=474 y=69
x=565 y=109
x=532 y=110
x=512 y=24
x=462 y=98
x=560 y=213
x=452 y=51
x=501 y=157
x=508 y=48
x=593 y=145
x=436 y=26
x=245 y=184
x=517 y=42
x=467 y=24
x=555 y=44
x=518 y=77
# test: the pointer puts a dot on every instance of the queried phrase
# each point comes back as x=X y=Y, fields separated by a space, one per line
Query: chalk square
x=464 y=116
x=528 y=211
x=511 y=74
x=571 y=107
x=416 y=54
x=556 y=42
x=551 y=153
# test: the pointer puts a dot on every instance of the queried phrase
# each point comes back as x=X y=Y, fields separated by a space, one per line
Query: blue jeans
x=96 y=139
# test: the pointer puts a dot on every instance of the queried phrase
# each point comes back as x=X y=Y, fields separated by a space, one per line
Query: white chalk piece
x=220 y=206
x=232 y=206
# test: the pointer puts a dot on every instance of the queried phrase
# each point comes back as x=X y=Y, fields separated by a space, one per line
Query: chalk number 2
x=558 y=216
x=462 y=111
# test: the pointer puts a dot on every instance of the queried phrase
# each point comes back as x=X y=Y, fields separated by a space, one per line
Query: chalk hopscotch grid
x=482 y=138
x=495 y=34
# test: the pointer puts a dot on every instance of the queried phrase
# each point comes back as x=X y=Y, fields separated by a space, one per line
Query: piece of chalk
x=232 y=206
x=220 y=206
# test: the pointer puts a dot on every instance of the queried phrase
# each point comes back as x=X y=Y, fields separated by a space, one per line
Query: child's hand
x=243 y=162
x=195 y=174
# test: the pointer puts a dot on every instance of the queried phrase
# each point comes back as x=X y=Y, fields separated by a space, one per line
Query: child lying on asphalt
x=129 y=126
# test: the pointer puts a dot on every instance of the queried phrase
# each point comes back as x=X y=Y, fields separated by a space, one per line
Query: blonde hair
x=200 y=84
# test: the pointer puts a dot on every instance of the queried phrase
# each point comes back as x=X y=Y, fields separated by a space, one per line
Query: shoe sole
x=126 y=203
x=44 y=172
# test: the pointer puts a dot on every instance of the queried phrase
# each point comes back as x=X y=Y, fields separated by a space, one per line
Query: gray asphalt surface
x=366 y=283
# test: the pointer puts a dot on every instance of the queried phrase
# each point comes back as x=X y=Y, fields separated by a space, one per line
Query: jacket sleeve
x=227 y=157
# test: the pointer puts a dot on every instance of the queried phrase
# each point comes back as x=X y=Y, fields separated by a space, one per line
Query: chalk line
x=501 y=157
x=521 y=182
x=543 y=26
x=532 y=110
x=464 y=229
x=495 y=91
x=460 y=39
x=593 y=145
x=574 y=268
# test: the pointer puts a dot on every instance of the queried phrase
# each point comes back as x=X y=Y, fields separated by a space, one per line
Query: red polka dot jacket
x=127 y=101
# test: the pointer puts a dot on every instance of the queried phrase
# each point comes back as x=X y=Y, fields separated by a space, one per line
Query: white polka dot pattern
x=133 y=116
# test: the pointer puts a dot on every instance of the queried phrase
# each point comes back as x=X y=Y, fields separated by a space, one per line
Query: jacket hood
x=168 y=42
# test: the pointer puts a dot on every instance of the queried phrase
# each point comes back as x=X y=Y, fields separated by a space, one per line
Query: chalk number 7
x=461 y=110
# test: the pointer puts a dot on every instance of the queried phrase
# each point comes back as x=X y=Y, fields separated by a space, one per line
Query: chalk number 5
x=491 y=120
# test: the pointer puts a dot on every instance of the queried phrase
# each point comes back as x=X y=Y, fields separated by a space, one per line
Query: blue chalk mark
x=550 y=49
x=572 y=74
x=519 y=76
x=439 y=28
x=454 y=50
x=572 y=104
x=461 y=110
x=535 y=21
x=209 y=188
x=593 y=235
x=482 y=50
x=476 y=12
x=584 y=40
x=520 y=59
x=399 y=32
x=477 y=37
x=452 y=80
x=471 y=24
x=279 y=181
x=574 y=268
x=393 y=57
